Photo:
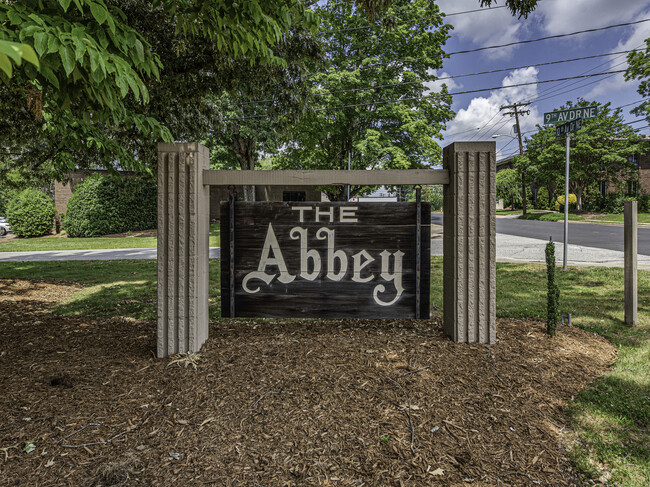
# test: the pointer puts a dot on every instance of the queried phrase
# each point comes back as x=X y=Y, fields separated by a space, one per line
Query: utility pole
x=516 y=111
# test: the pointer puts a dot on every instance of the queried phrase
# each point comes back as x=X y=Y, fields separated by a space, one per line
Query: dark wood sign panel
x=325 y=260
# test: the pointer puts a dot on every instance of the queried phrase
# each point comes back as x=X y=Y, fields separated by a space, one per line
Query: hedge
x=31 y=213
x=103 y=204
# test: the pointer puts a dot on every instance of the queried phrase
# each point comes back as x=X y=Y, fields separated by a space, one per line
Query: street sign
x=569 y=127
x=571 y=114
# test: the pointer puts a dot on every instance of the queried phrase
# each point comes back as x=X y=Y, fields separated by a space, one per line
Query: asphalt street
x=608 y=237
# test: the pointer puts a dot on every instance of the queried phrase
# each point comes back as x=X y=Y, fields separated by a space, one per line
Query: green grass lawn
x=548 y=217
x=618 y=217
x=610 y=417
x=508 y=212
x=65 y=243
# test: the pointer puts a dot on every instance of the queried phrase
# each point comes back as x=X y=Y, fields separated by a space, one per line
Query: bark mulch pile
x=282 y=403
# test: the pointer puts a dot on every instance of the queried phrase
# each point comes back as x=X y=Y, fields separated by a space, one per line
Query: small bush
x=31 y=213
x=104 y=204
x=644 y=203
x=559 y=202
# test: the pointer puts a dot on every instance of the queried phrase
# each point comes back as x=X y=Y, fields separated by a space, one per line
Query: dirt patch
x=283 y=403
x=141 y=233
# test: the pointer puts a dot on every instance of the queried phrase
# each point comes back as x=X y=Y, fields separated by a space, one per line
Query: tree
x=370 y=106
x=113 y=77
x=90 y=90
x=509 y=187
x=598 y=153
x=639 y=68
x=255 y=117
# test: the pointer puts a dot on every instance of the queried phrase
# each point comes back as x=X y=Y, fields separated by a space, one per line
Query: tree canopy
x=371 y=107
x=598 y=153
x=97 y=82
x=639 y=68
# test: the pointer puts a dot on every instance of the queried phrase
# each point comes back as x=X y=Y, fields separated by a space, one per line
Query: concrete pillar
x=183 y=234
x=469 y=242
x=631 y=248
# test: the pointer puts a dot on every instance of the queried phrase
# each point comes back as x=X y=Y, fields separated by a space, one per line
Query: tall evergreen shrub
x=553 y=293
x=104 y=204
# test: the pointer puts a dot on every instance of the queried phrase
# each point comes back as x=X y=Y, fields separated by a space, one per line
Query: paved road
x=608 y=237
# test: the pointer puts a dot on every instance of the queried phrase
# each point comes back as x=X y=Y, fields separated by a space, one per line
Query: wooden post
x=631 y=297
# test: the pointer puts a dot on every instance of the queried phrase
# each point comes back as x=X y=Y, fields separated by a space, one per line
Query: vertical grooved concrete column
x=469 y=242
x=183 y=244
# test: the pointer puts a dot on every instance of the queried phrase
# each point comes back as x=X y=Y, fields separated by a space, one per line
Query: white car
x=4 y=226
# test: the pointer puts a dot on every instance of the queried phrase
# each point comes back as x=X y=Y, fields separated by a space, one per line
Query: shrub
x=104 y=204
x=31 y=213
x=644 y=203
x=559 y=202
x=553 y=290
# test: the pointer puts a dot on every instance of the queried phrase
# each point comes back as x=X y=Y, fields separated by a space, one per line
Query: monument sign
x=325 y=260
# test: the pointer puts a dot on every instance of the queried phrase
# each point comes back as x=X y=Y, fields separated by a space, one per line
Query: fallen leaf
x=438 y=472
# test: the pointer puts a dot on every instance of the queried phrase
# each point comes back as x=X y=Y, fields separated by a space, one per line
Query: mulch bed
x=282 y=403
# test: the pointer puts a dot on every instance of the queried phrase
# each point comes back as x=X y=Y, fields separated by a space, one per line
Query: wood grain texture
x=380 y=228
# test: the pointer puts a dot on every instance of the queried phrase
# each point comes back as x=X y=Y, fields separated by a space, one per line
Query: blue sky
x=477 y=115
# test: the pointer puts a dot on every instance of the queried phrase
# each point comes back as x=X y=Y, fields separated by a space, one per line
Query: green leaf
x=5 y=65
x=40 y=43
x=50 y=76
x=67 y=58
x=139 y=49
x=80 y=49
x=53 y=44
x=99 y=12
x=14 y=17
x=65 y=4
x=29 y=55
x=12 y=50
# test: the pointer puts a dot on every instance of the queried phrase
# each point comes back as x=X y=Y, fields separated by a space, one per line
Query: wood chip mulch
x=282 y=403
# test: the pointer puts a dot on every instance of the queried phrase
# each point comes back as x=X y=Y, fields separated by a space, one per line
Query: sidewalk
x=509 y=249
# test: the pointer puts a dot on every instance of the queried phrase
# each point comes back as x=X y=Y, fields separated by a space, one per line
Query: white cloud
x=436 y=86
x=561 y=16
x=617 y=82
x=482 y=118
x=492 y=26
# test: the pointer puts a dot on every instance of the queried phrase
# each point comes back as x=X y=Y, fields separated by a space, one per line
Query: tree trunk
x=579 y=198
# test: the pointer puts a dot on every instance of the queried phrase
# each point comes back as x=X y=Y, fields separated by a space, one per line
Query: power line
x=516 y=43
x=437 y=95
x=557 y=36
x=427 y=80
x=433 y=79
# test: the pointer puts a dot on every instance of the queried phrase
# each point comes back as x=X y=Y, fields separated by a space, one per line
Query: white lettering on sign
x=332 y=255
x=347 y=215
x=358 y=266
x=337 y=263
x=302 y=210
x=387 y=276
x=329 y=212
x=306 y=255
x=270 y=244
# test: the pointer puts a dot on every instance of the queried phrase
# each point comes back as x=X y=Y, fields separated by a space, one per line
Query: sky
x=478 y=116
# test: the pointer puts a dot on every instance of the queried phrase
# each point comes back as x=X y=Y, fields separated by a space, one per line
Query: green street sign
x=571 y=114
x=569 y=127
